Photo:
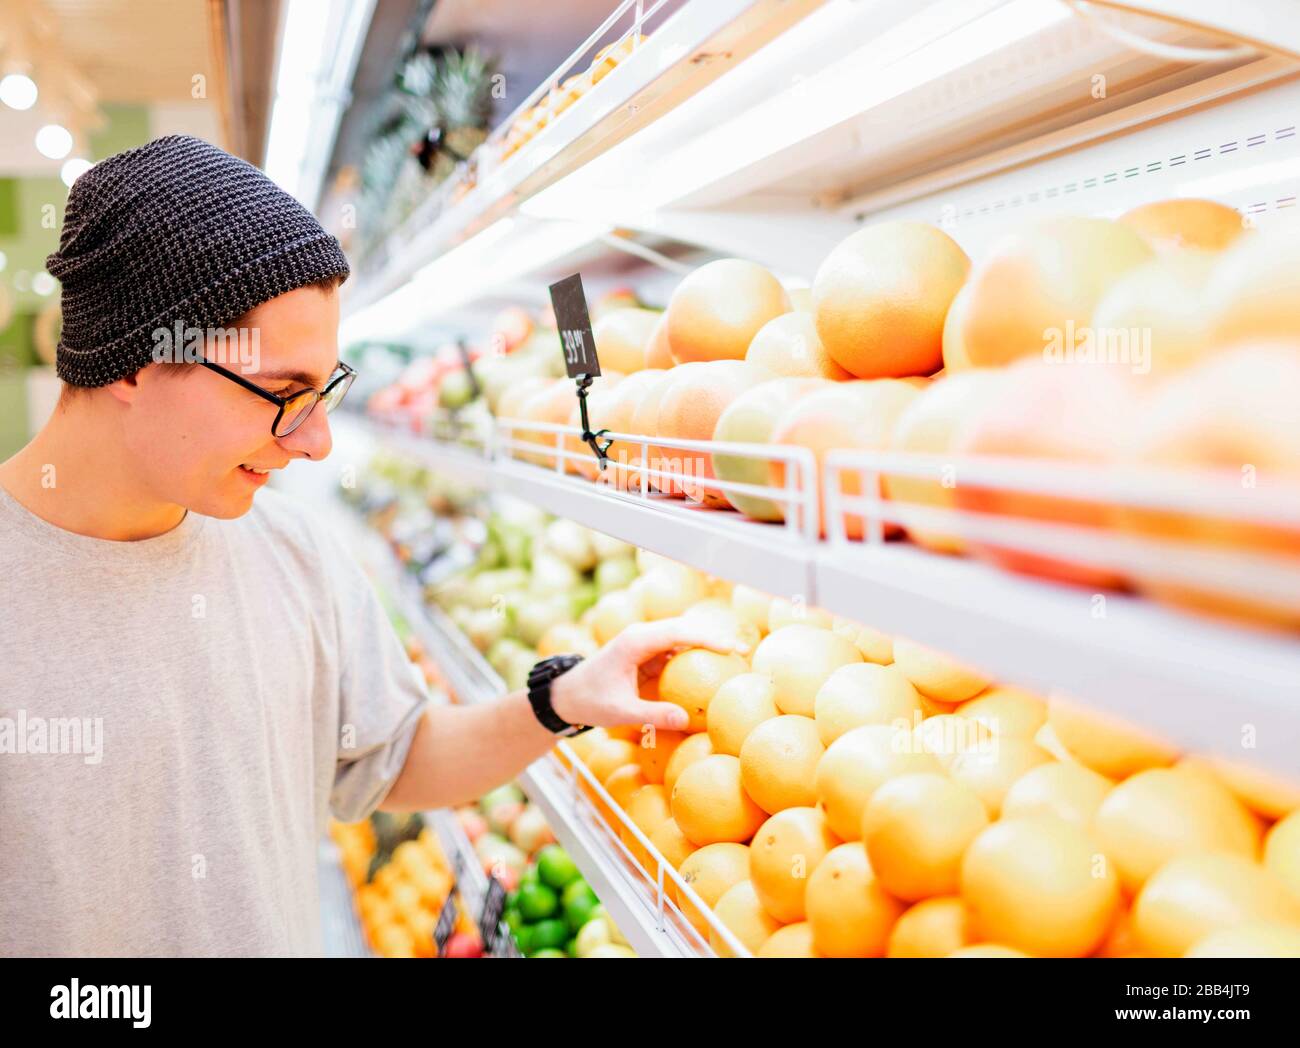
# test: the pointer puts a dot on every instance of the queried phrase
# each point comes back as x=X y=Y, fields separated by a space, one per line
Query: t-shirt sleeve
x=382 y=697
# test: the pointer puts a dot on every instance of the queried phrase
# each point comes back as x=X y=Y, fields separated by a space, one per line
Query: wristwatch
x=539 y=694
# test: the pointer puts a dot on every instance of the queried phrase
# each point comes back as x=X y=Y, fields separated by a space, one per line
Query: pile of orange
x=842 y=794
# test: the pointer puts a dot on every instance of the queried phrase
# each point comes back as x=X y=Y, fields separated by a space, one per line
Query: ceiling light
x=54 y=141
x=18 y=91
x=73 y=169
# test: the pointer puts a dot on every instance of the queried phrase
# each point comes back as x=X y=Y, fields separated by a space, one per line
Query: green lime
x=572 y=947
x=512 y=899
x=537 y=903
x=555 y=868
x=578 y=889
x=524 y=938
x=550 y=934
x=549 y=953
x=528 y=879
x=514 y=919
x=578 y=907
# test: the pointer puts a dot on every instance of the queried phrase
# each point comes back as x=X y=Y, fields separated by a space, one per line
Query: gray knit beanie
x=175 y=230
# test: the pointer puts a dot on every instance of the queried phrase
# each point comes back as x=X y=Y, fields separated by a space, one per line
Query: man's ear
x=125 y=390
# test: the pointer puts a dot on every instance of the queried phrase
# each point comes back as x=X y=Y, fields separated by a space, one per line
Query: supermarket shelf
x=1198 y=683
x=341 y=934
x=694 y=47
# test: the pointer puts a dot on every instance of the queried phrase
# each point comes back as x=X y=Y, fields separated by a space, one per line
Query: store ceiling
x=147 y=53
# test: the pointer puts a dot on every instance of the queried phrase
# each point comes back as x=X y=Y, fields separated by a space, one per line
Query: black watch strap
x=539 y=693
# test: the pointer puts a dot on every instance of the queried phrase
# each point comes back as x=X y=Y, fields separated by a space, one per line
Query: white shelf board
x=1199 y=683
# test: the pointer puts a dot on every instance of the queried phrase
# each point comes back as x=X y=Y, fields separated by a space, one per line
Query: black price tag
x=446 y=924
x=570 y=304
x=494 y=905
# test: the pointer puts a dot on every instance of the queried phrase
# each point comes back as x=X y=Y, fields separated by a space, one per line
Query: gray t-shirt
x=178 y=718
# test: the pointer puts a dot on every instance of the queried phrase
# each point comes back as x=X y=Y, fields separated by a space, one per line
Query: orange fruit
x=743 y=915
x=1282 y=851
x=1006 y=711
x=623 y=783
x=934 y=674
x=716 y=311
x=709 y=872
x=658 y=353
x=931 y=928
x=1249 y=940
x=783 y=612
x=622 y=337
x=655 y=750
x=949 y=735
x=710 y=805
x=648 y=810
x=738 y=707
x=991 y=774
x=794 y=940
x=1061 y=788
x=692 y=677
x=675 y=847
x=863 y=693
x=1103 y=742
x=881 y=297
x=799 y=659
x=785 y=851
x=1122 y=939
x=916 y=828
x=1263 y=792
x=1041 y=885
x=778 y=763
x=854 y=767
x=1193 y=896
x=850 y=913
x=751 y=606
x=689 y=750
x=872 y=645
x=987 y=949
x=1162 y=813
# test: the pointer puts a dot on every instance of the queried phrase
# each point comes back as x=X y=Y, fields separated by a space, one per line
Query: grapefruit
x=750 y=419
x=691 y=749
x=1061 y=788
x=1172 y=225
x=929 y=425
x=788 y=346
x=710 y=805
x=881 y=297
x=990 y=773
x=1255 y=290
x=691 y=679
x=852 y=416
x=622 y=338
x=1046 y=278
x=792 y=941
x=716 y=311
x=1104 y=743
x=710 y=871
x=1006 y=711
x=689 y=410
x=658 y=353
x=1282 y=851
x=1048 y=410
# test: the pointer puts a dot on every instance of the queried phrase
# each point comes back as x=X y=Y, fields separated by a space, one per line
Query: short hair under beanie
x=174 y=230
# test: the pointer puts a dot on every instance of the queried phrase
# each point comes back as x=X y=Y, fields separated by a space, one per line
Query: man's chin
x=225 y=505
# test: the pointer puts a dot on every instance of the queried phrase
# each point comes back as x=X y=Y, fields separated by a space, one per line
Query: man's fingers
x=644 y=640
x=665 y=716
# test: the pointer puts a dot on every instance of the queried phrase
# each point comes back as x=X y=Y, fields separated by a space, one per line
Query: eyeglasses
x=295 y=409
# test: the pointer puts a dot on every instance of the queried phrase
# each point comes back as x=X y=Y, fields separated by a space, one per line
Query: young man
x=193 y=675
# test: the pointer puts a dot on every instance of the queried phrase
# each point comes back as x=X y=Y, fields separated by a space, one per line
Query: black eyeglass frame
x=344 y=373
